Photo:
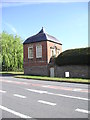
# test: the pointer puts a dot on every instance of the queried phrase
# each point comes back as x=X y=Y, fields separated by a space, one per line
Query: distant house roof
x=41 y=36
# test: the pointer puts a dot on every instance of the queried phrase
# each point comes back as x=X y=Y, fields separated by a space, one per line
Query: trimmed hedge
x=79 y=56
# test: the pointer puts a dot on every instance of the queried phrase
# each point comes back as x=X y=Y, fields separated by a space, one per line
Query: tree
x=11 y=52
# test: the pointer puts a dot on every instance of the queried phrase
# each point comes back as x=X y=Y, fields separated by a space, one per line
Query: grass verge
x=21 y=75
x=11 y=72
x=75 y=80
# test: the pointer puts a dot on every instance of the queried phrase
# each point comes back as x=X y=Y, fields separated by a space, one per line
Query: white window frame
x=53 y=50
x=39 y=51
x=30 y=57
x=58 y=51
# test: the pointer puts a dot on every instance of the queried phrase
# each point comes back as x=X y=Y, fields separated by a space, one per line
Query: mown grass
x=21 y=75
x=11 y=72
x=75 y=80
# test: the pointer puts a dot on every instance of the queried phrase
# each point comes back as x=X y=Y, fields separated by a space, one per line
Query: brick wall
x=36 y=70
x=37 y=66
x=35 y=61
x=78 y=71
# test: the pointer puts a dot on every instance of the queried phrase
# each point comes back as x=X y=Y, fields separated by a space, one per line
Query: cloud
x=11 y=27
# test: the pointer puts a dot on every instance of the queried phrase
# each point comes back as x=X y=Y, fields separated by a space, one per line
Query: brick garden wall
x=77 y=71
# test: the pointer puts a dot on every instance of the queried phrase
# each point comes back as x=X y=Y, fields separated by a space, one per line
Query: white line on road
x=62 y=95
x=68 y=96
x=78 y=90
x=82 y=110
x=9 y=81
x=14 y=112
x=2 y=91
x=45 y=102
x=37 y=91
x=21 y=96
x=46 y=86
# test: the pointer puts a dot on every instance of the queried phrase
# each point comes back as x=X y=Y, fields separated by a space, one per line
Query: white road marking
x=82 y=110
x=9 y=81
x=14 y=112
x=21 y=96
x=2 y=91
x=68 y=96
x=78 y=90
x=37 y=91
x=62 y=95
x=46 y=86
x=45 y=102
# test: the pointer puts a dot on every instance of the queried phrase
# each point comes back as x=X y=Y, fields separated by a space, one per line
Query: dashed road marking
x=46 y=86
x=62 y=95
x=82 y=110
x=45 y=102
x=14 y=112
x=21 y=96
x=78 y=90
x=68 y=96
x=37 y=91
x=2 y=91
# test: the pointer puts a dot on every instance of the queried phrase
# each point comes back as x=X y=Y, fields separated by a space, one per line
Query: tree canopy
x=11 y=52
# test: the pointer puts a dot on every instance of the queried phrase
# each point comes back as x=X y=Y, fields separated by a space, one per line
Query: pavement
x=33 y=99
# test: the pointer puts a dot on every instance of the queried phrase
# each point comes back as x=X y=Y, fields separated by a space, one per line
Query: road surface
x=27 y=98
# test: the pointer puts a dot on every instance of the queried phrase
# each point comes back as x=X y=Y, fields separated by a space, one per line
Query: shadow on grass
x=9 y=74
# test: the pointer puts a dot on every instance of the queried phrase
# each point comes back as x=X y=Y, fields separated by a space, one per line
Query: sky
x=66 y=20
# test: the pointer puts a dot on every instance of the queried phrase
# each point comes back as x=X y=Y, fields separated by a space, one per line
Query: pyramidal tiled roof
x=41 y=36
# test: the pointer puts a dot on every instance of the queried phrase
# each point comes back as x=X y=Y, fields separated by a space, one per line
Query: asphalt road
x=24 y=98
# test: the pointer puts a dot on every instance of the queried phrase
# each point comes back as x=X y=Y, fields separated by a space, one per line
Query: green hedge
x=79 y=56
